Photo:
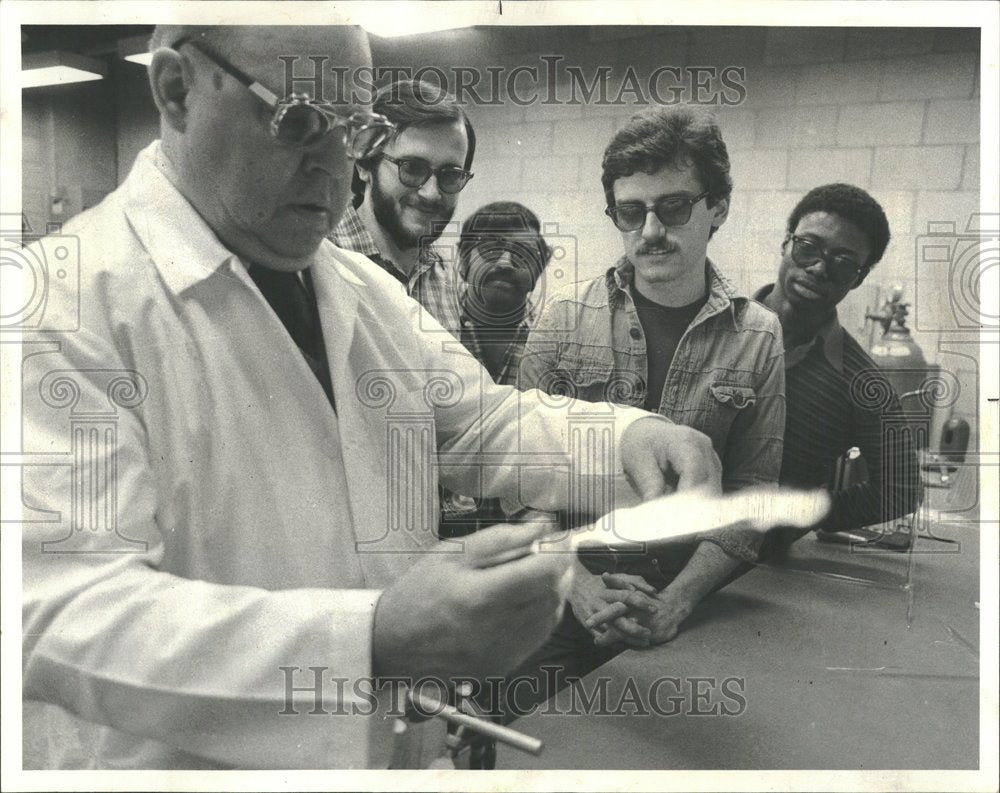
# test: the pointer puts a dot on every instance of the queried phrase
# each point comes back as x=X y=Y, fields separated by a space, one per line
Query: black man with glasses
x=664 y=330
x=835 y=235
x=236 y=537
x=405 y=195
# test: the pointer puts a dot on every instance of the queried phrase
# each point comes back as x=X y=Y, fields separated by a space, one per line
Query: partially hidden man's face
x=267 y=201
x=502 y=270
x=665 y=254
x=411 y=215
x=809 y=288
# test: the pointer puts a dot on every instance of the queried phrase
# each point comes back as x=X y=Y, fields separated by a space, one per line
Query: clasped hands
x=620 y=608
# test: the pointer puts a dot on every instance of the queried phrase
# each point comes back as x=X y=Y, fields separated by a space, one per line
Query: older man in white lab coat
x=221 y=506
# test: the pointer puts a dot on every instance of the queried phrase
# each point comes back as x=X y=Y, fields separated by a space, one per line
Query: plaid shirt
x=432 y=283
x=473 y=337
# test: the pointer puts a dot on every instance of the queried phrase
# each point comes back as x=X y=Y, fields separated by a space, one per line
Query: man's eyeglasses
x=415 y=173
x=520 y=254
x=301 y=121
x=669 y=210
x=840 y=268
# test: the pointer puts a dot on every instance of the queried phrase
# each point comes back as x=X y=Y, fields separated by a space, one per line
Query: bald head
x=269 y=202
x=265 y=52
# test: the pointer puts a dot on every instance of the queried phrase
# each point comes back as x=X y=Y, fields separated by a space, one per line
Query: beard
x=388 y=215
x=490 y=307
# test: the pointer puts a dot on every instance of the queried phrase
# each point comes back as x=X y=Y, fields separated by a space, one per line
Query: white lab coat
x=197 y=516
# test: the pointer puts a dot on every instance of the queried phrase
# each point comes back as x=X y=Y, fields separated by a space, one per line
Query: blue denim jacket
x=727 y=378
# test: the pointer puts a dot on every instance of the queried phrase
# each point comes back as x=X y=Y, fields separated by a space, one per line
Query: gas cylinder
x=896 y=353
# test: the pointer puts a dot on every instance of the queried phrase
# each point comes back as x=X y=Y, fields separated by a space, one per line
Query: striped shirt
x=836 y=398
x=433 y=282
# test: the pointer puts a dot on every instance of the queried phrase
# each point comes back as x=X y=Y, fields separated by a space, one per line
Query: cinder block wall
x=895 y=111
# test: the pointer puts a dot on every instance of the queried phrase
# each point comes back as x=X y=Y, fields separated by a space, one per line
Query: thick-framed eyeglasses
x=841 y=269
x=520 y=254
x=414 y=172
x=669 y=210
x=302 y=121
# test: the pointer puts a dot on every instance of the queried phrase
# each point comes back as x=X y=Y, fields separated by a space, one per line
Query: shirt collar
x=829 y=338
x=178 y=240
x=466 y=321
x=181 y=244
x=722 y=294
x=352 y=234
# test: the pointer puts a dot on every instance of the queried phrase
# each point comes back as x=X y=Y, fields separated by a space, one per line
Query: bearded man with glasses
x=835 y=235
x=664 y=330
x=405 y=194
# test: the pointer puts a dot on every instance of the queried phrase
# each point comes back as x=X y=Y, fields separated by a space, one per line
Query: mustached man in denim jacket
x=664 y=330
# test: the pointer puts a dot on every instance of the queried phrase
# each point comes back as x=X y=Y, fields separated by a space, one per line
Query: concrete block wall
x=894 y=111
x=84 y=134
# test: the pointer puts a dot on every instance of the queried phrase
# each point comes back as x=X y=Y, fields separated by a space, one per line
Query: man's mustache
x=654 y=247
x=423 y=205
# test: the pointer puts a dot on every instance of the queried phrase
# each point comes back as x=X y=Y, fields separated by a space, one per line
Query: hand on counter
x=659 y=614
x=674 y=608
x=612 y=613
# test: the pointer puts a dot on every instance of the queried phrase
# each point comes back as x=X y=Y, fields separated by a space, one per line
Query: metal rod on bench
x=433 y=707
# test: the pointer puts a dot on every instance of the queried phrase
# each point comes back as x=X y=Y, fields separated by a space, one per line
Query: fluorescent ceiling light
x=55 y=75
x=391 y=18
x=136 y=50
x=59 y=68
x=390 y=27
x=142 y=58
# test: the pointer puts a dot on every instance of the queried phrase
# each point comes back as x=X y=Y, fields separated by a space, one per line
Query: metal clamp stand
x=469 y=729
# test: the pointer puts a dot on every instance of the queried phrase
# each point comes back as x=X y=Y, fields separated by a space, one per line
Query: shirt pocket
x=738 y=397
x=726 y=401
x=596 y=381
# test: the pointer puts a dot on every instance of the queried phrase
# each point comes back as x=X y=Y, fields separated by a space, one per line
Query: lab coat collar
x=179 y=241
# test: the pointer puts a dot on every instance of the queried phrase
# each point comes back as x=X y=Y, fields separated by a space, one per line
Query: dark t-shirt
x=663 y=327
